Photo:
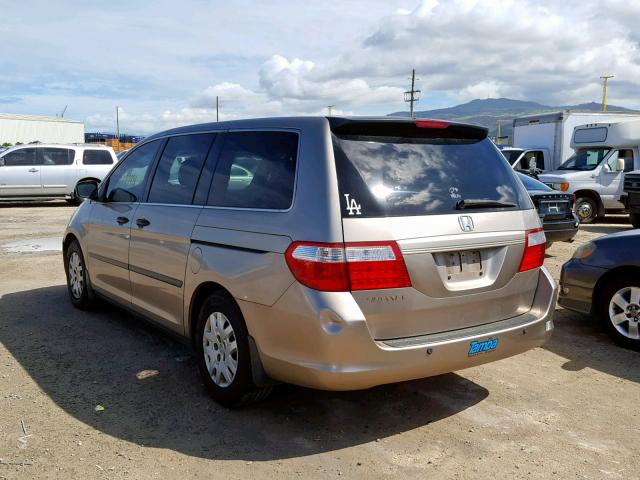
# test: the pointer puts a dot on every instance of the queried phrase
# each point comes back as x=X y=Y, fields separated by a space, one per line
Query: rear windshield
x=398 y=176
x=511 y=155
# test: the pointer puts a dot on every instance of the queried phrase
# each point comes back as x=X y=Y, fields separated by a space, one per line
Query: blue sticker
x=476 y=348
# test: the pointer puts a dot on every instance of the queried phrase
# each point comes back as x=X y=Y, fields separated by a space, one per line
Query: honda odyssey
x=333 y=253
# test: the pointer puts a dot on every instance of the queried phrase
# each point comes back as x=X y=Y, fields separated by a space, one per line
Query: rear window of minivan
x=389 y=176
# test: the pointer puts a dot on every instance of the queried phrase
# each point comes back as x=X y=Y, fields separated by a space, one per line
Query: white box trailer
x=31 y=128
x=552 y=133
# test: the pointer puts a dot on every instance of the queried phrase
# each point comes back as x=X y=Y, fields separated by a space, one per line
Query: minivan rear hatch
x=445 y=195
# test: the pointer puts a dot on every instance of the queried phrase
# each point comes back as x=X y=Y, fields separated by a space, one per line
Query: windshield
x=511 y=155
x=585 y=159
x=381 y=176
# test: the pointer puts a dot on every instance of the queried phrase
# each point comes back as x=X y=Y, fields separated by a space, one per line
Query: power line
x=413 y=95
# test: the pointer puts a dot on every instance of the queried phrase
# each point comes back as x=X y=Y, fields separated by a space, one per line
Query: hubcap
x=624 y=311
x=220 y=349
x=584 y=211
x=76 y=277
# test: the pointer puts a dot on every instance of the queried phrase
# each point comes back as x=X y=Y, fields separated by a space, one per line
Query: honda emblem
x=466 y=223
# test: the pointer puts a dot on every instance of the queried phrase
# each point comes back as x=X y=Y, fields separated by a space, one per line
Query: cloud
x=293 y=59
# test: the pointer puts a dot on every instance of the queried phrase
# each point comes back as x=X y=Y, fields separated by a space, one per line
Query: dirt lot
x=568 y=410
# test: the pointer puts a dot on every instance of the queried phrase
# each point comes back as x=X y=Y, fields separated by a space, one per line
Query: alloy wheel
x=624 y=312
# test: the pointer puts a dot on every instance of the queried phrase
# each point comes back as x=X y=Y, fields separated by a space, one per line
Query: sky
x=164 y=62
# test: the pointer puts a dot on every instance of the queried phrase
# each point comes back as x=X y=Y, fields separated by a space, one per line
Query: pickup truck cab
x=594 y=173
x=537 y=159
x=38 y=171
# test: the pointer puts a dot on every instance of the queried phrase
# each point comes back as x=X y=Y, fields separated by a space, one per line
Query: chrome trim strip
x=457 y=248
x=229 y=247
x=156 y=276
x=110 y=261
x=141 y=271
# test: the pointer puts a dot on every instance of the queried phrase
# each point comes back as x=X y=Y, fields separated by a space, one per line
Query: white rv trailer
x=594 y=173
x=547 y=137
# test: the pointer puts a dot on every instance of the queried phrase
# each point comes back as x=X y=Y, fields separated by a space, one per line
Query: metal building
x=31 y=128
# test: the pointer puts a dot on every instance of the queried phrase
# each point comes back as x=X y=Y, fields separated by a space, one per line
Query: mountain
x=487 y=112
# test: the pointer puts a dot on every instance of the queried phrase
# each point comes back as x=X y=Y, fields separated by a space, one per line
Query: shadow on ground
x=34 y=203
x=583 y=342
x=83 y=359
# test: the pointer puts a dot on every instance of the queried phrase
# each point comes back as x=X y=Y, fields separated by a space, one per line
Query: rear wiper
x=471 y=203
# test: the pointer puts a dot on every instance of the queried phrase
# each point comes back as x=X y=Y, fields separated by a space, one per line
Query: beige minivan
x=334 y=253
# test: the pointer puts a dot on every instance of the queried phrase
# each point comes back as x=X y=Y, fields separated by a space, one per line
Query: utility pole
x=413 y=95
x=217 y=117
x=63 y=111
x=605 y=87
x=498 y=134
x=329 y=107
x=117 y=124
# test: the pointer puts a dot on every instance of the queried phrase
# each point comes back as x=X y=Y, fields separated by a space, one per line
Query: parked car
x=333 y=253
x=603 y=279
x=51 y=170
x=556 y=210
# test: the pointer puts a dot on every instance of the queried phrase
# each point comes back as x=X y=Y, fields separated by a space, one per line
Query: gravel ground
x=568 y=410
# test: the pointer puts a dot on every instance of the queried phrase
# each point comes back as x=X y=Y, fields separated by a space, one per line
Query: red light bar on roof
x=431 y=124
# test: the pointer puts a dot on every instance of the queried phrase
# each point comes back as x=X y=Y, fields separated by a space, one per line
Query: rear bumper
x=311 y=345
x=560 y=230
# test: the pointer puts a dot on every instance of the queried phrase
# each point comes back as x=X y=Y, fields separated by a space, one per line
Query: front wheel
x=620 y=311
x=79 y=289
x=634 y=218
x=586 y=209
x=222 y=347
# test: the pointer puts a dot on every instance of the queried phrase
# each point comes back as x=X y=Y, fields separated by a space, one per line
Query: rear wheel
x=586 y=209
x=634 y=218
x=79 y=289
x=224 y=360
x=619 y=310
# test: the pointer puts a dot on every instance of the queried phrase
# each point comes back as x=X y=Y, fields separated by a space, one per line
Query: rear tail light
x=534 y=247
x=338 y=267
x=431 y=124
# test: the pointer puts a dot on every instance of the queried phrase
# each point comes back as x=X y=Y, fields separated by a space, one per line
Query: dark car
x=556 y=210
x=603 y=279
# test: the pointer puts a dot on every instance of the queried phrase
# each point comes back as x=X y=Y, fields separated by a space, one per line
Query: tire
x=586 y=209
x=634 y=218
x=619 y=310
x=79 y=288
x=222 y=346
x=72 y=201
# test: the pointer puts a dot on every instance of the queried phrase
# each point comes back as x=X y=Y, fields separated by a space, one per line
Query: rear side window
x=97 y=157
x=179 y=169
x=400 y=176
x=56 y=156
x=256 y=170
x=20 y=157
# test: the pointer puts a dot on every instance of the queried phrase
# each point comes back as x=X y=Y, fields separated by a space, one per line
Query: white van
x=594 y=173
x=51 y=170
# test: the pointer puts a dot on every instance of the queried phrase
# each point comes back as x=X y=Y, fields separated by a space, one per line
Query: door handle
x=122 y=220
x=142 y=222
x=33 y=170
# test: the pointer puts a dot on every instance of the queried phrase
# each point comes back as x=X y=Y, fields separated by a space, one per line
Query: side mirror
x=620 y=165
x=533 y=165
x=87 y=189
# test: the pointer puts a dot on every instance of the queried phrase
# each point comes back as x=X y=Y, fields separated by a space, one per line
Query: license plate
x=463 y=261
x=553 y=208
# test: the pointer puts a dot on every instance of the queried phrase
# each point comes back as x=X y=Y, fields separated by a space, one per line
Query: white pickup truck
x=39 y=171
x=594 y=173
